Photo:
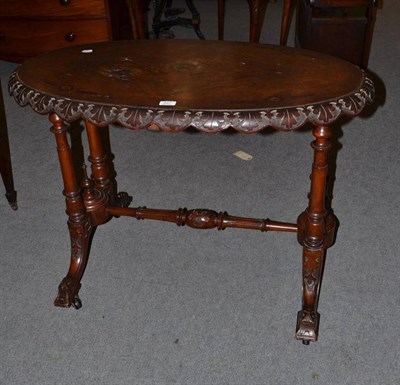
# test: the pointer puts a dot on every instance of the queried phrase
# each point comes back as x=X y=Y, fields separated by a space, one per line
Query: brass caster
x=76 y=303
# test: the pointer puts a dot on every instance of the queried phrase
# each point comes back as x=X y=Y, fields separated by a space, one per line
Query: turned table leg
x=103 y=171
x=79 y=222
x=315 y=234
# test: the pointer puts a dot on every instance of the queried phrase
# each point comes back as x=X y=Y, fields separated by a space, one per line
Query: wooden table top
x=171 y=84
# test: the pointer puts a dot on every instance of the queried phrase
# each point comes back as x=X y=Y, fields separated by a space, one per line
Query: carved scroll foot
x=81 y=234
x=67 y=292
x=307 y=326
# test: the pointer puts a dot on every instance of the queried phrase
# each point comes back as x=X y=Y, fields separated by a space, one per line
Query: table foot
x=12 y=199
x=67 y=293
x=307 y=326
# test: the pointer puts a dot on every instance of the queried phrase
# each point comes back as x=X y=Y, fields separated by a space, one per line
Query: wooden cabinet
x=343 y=28
x=28 y=28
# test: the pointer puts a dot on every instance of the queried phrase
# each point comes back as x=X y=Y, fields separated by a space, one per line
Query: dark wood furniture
x=5 y=158
x=138 y=15
x=343 y=28
x=209 y=85
x=288 y=7
x=28 y=28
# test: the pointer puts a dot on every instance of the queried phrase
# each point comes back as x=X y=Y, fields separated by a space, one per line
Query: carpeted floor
x=164 y=305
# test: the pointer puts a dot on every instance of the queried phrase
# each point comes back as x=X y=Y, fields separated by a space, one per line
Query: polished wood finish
x=254 y=87
x=79 y=223
x=28 y=28
x=202 y=219
x=283 y=88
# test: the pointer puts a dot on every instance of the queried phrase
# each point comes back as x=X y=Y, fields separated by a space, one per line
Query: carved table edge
x=210 y=121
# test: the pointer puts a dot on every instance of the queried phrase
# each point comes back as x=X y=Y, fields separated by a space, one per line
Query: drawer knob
x=69 y=36
x=65 y=2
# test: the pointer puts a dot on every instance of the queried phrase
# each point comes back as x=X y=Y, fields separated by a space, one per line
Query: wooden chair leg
x=257 y=12
x=221 y=19
x=288 y=6
x=253 y=4
x=5 y=158
x=137 y=11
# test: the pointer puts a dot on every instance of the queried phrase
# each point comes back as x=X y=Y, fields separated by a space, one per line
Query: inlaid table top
x=170 y=85
x=211 y=85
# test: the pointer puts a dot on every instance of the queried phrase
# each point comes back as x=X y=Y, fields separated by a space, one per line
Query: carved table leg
x=79 y=223
x=315 y=234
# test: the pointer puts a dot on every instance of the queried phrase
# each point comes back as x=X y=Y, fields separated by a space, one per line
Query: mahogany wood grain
x=203 y=219
x=28 y=28
x=216 y=85
x=255 y=76
x=53 y=8
x=55 y=33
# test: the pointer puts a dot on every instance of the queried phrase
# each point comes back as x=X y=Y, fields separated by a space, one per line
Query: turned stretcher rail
x=202 y=219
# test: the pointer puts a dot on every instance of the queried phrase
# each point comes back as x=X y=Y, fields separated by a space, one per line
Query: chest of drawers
x=28 y=28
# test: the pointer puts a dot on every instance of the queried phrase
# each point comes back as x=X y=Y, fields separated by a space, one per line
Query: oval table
x=171 y=85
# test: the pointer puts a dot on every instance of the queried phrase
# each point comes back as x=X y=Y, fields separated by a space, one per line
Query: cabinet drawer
x=20 y=40
x=52 y=8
